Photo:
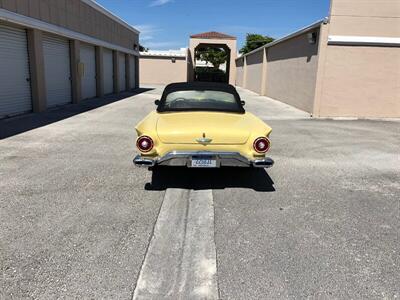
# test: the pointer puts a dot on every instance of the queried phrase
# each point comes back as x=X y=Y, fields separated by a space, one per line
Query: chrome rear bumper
x=223 y=159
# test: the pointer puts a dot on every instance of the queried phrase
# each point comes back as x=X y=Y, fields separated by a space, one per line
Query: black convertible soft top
x=215 y=86
x=200 y=86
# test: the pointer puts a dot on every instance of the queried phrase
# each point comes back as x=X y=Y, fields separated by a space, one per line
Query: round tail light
x=144 y=143
x=261 y=145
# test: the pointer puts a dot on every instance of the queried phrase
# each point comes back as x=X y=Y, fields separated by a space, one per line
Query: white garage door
x=57 y=70
x=122 y=79
x=15 y=90
x=88 y=58
x=132 y=71
x=108 y=71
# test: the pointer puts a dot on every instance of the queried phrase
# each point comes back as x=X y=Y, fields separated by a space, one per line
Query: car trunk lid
x=202 y=128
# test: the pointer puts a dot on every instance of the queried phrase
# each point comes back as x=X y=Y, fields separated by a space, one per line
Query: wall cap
x=287 y=37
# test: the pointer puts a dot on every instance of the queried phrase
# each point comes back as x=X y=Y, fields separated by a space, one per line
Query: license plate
x=203 y=162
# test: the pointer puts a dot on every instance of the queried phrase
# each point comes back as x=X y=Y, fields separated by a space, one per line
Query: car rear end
x=203 y=138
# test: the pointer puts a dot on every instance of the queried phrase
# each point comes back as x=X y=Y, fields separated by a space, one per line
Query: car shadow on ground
x=204 y=179
x=19 y=124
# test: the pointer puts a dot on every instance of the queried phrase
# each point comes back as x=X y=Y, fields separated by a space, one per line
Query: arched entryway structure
x=217 y=70
x=215 y=40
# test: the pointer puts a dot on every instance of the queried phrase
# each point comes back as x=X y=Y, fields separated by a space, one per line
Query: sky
x=167 y=24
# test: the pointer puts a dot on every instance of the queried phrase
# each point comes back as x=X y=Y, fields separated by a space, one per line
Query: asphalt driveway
x=79 y=221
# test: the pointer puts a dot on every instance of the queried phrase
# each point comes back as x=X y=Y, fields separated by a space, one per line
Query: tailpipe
x=263 y=163
x=143 y=162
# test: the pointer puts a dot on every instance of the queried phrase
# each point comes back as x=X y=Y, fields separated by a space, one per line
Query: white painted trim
x=363 y=40
x=144 y=54
x=109 y=14
x=12 y=17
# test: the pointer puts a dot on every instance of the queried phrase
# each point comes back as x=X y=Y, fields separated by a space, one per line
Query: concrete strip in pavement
x=181 y=259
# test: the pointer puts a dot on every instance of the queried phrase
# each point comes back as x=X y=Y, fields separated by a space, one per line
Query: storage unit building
x=61 y=57
x=163 y=67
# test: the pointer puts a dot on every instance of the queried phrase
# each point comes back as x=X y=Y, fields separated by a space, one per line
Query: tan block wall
x=292 y=72
x=239 y=72
x=74 y=15
x=254 y=71
x=161 y=70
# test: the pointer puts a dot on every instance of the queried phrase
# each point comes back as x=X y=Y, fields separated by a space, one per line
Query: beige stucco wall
x=292 y=72
x=254 y=71
x=193 y=43
x=329 y=80
x=161 y=70
x=239 y=71
x=77 y=16
x=360 y=81
x=374 y=8
x=365 y=26
x=365 y=18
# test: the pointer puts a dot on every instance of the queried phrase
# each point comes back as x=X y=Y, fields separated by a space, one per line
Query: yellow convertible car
x=202 y=125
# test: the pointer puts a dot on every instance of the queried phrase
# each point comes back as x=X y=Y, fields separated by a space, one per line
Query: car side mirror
x=157 y=102
x=243 y=103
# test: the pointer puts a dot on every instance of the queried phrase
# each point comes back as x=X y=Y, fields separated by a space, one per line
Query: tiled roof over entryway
x=213 y=35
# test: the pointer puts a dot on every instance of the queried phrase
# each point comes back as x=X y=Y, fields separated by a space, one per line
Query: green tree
x=214 y=56
x=143 y=49
x=254 y=41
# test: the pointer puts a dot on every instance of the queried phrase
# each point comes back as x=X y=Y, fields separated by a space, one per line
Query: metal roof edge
x=103 y=10
x=287 y=37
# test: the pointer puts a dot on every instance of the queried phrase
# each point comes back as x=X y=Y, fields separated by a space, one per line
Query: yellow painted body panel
x=178 y=131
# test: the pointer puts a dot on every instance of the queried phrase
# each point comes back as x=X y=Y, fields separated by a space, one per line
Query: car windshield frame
x=201 y=88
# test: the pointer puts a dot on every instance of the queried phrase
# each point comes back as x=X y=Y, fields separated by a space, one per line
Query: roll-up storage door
x=108 y=71
x=88 y=59
x=57 y=70
x=122 y=76
x=15 y=89
x=132 y=71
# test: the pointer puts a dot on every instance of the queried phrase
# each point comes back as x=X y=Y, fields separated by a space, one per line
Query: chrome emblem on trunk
x=204 y=140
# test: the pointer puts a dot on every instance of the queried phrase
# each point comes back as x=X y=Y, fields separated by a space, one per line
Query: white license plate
x=203 y=162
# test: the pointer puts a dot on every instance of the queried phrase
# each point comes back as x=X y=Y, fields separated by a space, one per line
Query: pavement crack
x=147 y=248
